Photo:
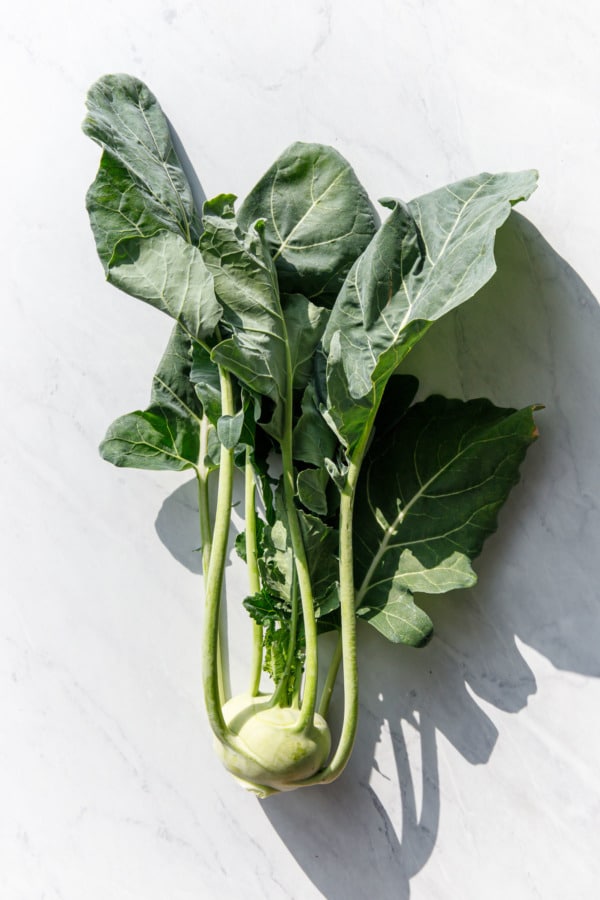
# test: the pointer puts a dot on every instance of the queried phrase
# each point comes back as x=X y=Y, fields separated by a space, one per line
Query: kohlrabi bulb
x=273 y=755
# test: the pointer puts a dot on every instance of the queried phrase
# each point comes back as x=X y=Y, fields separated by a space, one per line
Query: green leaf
x=312 y=439
x=246 y=287
x=398 y=618
x=151 y=439
x=264 y=608
x=449 y=574
x=229 y=429
x=169 y=274
x=141 y=207
x=171 y=383
x=318 y=218
x=119 y=209
x=240 y=539
x=426 y=259
x=274 y=615
x=204 y=375
x=276 y=559
x=311 y=487
x=329 y=604
x=305 y=324
x=141 y=184
x=321 y=543
x=167 y=434
x=276 y=556
x=428 y=496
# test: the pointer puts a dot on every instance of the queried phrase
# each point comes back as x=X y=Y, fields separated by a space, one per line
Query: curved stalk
x=309 y=697
x=348 y=619
x=214 y=580
x=296 y=686
x=348 y=632
x=202 y=474
x=203 y=500
x=334 y=667
x=253 y=574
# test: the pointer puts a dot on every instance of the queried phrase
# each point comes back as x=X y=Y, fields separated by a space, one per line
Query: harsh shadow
x=178 y=528
x=532 y=336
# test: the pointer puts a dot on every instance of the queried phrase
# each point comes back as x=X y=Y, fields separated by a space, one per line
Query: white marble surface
x=475 y=773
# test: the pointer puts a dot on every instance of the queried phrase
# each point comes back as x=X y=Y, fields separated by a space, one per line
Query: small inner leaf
x=311 y=486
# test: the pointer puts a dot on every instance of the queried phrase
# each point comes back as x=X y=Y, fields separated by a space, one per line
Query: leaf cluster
x=309 y=305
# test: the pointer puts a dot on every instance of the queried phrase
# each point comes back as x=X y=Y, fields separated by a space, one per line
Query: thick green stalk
x=253 y=574
x=202 y=474
x=348 y=617
x=348 y=627
x=348 y=622
x=296 y=687
x=214 y=580
x=309 y=697
x=203 y=500
x=332 y=672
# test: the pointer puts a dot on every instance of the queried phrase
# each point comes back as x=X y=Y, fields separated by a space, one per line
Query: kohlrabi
x=292 y=316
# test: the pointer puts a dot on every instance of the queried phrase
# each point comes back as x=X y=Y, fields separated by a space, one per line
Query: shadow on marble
x=178 y=528
x=532 y=336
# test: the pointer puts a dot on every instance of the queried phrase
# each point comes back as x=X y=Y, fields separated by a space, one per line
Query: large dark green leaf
x=167 y=434
x=318 y=218
x=119 y=209
x=426 y=259
x=246 y=287
x=141 y=207
x=429 y=495
x=141 y=185
x=169 y=274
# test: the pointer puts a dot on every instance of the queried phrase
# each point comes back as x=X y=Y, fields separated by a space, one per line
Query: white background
x=475 y=773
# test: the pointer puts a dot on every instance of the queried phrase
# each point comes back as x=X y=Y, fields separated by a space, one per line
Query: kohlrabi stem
x=211 y=654
x=202 y=474
x=253 y=574
x=309 y=697
x=332 y=672
x=348 y=628
x=296 y=686
x=348 y=625
x=348 y=618
x=203 y=500
x=281 y=694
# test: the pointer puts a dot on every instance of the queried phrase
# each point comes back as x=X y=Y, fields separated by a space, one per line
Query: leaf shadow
x=178 y=529
x=530 y=337
x=177 y=526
